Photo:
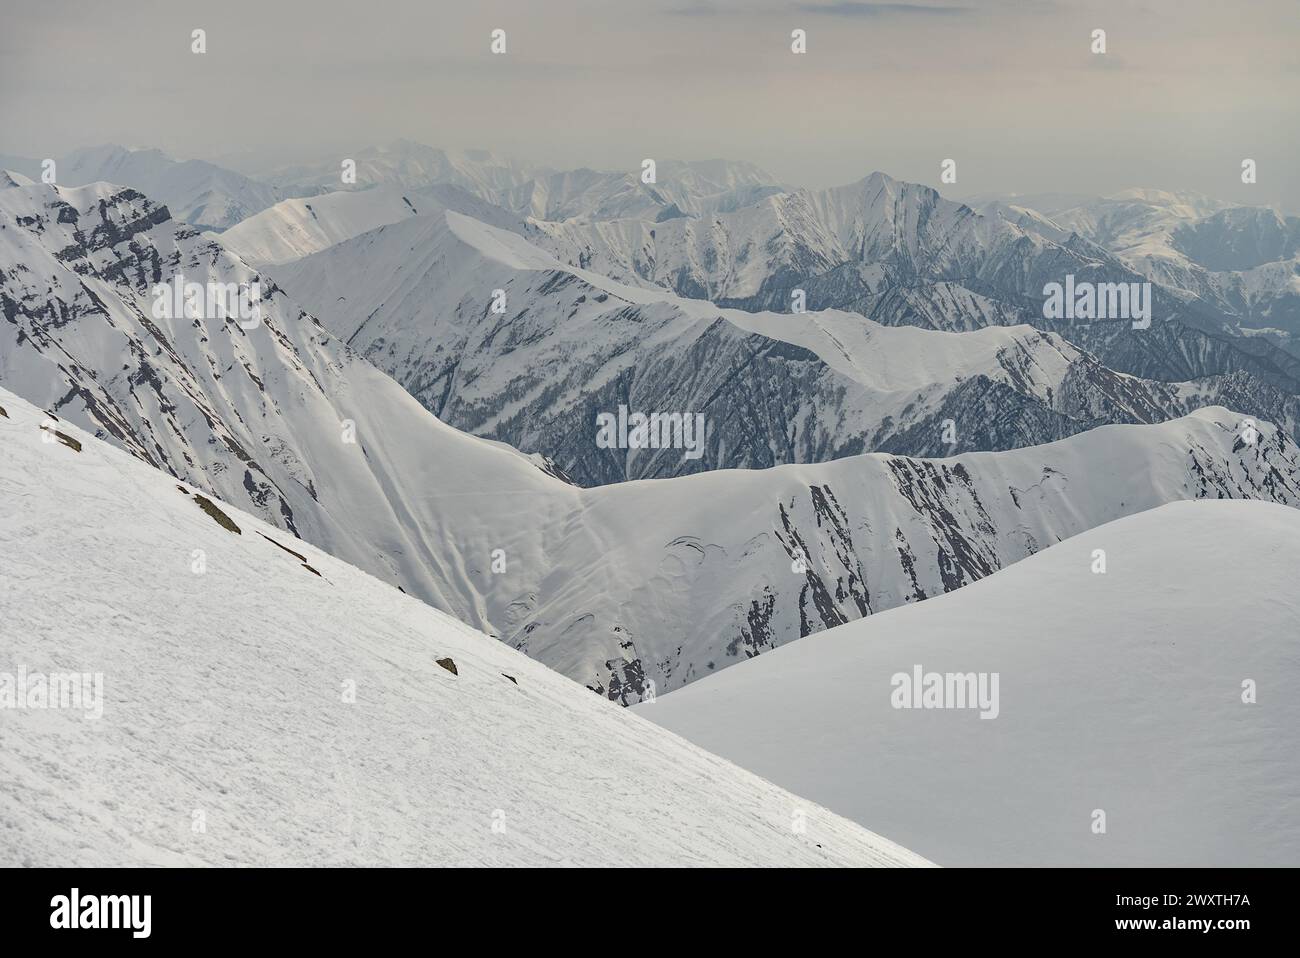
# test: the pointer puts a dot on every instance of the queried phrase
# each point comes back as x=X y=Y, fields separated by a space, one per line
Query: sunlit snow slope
x=417 y=299
x=224 y=705
x=1120 y=692
x=294 y=228
x=616 y=586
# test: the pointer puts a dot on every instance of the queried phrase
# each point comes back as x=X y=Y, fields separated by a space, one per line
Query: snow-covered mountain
x=742 y=562
x=294 y=228
x=1242 y=261
x=1241 y=238
x=1123 y=693
x=417 y=299
x=613 y=586
x=901 y=254
x=10 y=178
x=195 y=191
x=844 y=246
x=407 y=165
x=399 y=736
x=279 y=419
x=682 y=188
x=1248 y=259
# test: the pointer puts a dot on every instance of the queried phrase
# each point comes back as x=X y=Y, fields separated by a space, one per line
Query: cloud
x=855 y=8
x=835 y=8
x=700 y=8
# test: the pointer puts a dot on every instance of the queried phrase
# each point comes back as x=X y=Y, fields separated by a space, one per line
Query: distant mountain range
x=196 y=192
x=922 y=336
x=634 y=581
x=730 y=232
x=681 y=188
x=416 y=299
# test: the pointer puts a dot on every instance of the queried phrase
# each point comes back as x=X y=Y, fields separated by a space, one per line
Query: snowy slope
x=615 y=586
x=416 y=299
x=294 y=228
x=1120 y=692
x=223 y=694
x=195 y=191
x=901 y=254
x=844 y=246
x=260 y=417
x=1243 y=261
x=728 y=565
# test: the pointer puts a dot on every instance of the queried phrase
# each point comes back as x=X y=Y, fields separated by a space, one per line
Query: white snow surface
x=294 y=228
x=195 y=191
x=900 y=360
x=298 y=227
x=415 y=299
x=637 y=581
x=1120 y=692
x=223 y=695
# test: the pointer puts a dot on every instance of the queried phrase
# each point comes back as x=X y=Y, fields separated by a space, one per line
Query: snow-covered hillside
x=615 y=586
x=262 y=703
x=569 y=344
x=294 y=228
x=297 y=227
x=1242 y=261
x=1119 y=692
x=844 y=246
x=195 y=191
x=901 y=254
x=279 y=418
x=728 y=565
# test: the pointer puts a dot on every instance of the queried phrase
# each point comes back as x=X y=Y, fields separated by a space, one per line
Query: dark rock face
x=216 y=514
x=890 y=531
x=158 y=406
x=898 y=254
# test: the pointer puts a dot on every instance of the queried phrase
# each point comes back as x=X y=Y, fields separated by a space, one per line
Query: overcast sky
x=1007 y=88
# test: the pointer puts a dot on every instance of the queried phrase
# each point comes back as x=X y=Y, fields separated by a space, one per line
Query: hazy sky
x=1007 y=88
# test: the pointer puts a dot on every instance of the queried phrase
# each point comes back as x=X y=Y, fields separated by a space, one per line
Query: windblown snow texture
x=1120 y=692
x=225 y=704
